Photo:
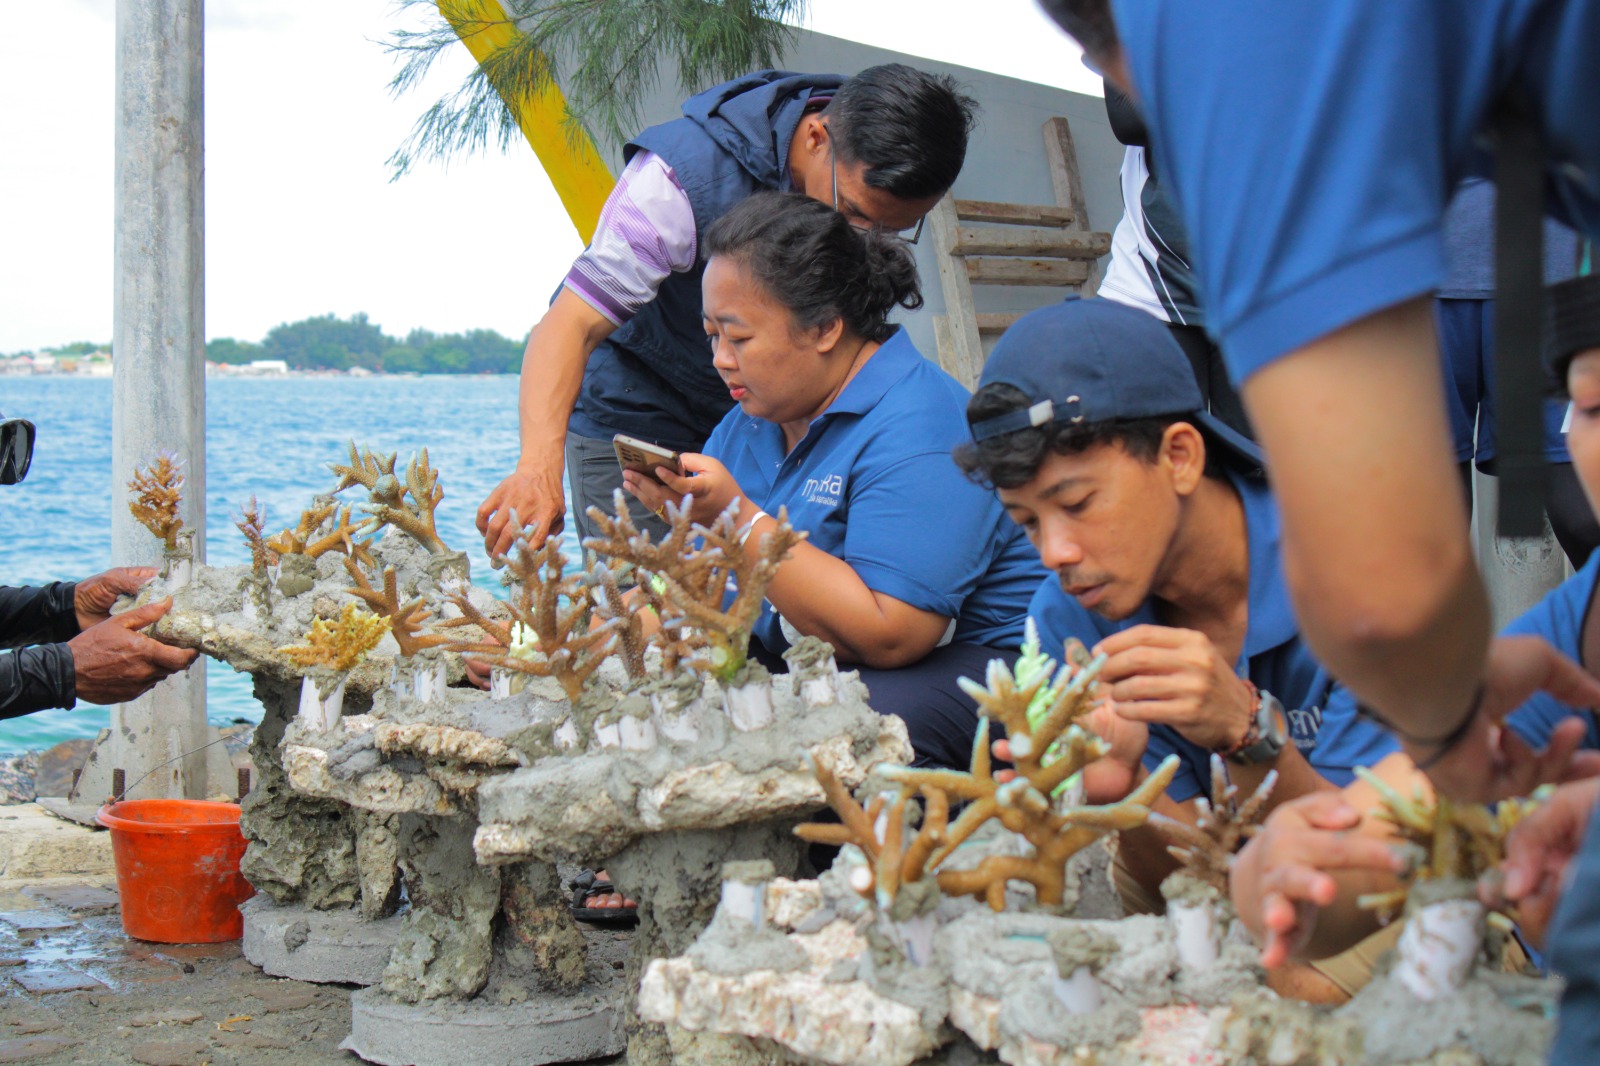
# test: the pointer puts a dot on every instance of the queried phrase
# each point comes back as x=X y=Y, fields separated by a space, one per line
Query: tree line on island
x=331 y=343
x=328 y=342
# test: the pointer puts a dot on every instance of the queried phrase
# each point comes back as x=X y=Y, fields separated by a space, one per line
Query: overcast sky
x=301 y=218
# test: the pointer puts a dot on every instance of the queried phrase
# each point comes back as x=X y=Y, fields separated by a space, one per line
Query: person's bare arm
x=824 y=597
x=1376 y=554
x=552 y=371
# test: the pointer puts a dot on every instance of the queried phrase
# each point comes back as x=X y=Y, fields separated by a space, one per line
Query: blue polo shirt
x=1322 y=714
x=873 y=484
x=1558 y=618
x=1313 y=147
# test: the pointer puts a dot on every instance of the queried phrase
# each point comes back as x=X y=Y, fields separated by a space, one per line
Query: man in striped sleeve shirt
x=622 y=348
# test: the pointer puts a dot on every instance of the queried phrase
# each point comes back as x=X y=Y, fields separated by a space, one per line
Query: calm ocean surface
x=269 y=436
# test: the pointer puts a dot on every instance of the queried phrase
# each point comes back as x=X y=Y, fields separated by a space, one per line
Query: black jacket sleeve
x=42 y=615
x=34 y=678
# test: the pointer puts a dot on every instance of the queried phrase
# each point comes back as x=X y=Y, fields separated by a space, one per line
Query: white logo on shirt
x=823 y=490
x=1304 y=725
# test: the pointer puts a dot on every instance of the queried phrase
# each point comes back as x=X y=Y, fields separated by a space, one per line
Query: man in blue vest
x=622 y=348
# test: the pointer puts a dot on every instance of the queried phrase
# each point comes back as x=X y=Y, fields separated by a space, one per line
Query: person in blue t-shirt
x=1163 y=536
x=621 y=349
x=911 y=572
x=1312 y=149
x=1296 y=884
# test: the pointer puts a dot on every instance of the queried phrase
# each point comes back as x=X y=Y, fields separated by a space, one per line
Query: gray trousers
x=593 y=475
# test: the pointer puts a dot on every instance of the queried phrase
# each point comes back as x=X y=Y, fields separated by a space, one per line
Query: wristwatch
x=1270 y=732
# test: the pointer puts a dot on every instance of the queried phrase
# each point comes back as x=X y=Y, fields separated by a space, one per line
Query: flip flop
x=584 y=887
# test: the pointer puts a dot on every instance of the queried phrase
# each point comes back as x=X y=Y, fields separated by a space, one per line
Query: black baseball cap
x=1087 y=361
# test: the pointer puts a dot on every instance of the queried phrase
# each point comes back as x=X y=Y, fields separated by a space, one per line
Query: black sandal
x=586 y=886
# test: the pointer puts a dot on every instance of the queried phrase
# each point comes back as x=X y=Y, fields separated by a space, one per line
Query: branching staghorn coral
x=251 y=522
x=545 y=638
x=340 y=644
x=894 y=860
x=694 y=564
x=1453 y=841
x=387 y=502
x=1023 y=805
x=1206 y=849
x=309 y=540
x=611 y=605
x=375 y=473
x=158 y=493
x=405 y=620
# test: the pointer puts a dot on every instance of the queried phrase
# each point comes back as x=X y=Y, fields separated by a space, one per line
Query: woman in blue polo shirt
x=912 y=573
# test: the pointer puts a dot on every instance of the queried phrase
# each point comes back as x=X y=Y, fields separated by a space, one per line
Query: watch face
x=1273 y=726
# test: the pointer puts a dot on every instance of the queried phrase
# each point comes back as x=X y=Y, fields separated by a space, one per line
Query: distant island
x=322 y=344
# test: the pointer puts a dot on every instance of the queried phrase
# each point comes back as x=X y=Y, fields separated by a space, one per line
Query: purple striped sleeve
x=646 y=233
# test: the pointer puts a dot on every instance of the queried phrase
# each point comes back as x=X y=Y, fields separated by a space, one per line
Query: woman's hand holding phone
x=706 y=484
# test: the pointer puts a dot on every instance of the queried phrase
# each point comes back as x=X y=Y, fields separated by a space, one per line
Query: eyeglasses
x=16 y=449
x=909 y=236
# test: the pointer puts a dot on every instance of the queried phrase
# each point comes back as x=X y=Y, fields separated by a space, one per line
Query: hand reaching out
x=1538 y=854
x=533 y=494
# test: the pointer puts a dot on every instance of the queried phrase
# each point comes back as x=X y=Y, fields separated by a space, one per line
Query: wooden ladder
x=980 y=242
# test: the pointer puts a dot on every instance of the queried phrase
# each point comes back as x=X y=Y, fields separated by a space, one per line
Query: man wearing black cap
x=65 y=644
x=1164 y=539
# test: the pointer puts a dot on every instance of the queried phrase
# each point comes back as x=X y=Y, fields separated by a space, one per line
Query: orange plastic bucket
x=178 y=869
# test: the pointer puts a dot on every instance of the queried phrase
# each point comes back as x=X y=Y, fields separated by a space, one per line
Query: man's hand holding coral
x=1284 y=876
x=95 y=596
x=113 y=662
x=1176 y=677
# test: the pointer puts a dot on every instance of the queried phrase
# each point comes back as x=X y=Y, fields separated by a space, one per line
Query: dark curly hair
x=816 y=264
x=909 y=127
x=1011 y=460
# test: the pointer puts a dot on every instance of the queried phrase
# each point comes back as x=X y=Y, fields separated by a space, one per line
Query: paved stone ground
x=74 y=989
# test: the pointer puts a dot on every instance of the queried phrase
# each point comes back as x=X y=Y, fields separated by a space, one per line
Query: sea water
x=271 y=437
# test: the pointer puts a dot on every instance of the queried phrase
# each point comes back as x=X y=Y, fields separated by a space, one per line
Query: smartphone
x=644 y=457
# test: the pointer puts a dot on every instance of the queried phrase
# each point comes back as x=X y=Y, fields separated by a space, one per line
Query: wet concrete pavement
x=74 y=989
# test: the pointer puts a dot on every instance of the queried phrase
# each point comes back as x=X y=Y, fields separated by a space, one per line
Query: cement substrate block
x=587 y=1025
x=325 y=947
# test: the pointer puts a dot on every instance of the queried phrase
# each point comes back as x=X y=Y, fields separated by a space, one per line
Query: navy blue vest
x=653 y=378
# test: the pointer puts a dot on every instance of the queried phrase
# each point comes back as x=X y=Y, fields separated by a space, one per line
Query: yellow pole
x=579 y=174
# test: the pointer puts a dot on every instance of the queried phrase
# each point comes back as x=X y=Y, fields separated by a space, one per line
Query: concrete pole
x=1517 y=571
x=158 y=379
